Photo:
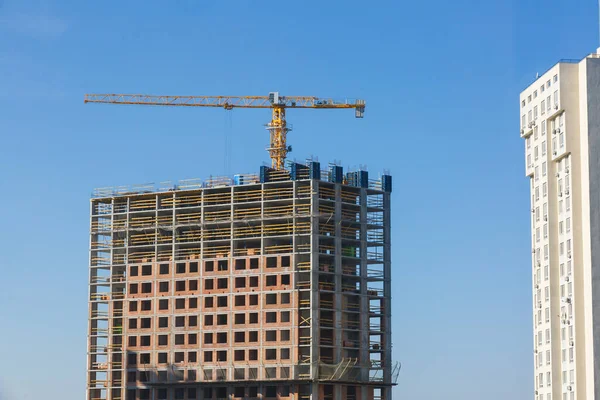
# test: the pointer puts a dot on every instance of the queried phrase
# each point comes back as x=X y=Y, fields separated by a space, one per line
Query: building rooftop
x=293 y=171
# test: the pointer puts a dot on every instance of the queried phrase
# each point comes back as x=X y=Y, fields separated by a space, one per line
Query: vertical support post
x=111 y=310
x=314 y=290
x=387 y=293
x=90 y=311
x=338 y=331
x=364 y=299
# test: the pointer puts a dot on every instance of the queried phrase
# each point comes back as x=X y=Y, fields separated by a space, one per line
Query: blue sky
x=441 y=80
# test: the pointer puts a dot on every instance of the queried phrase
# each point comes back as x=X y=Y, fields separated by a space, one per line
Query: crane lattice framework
x=277 y=128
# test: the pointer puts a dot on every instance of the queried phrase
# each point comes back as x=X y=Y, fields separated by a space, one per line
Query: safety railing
x=278 y=249
x=326 y=193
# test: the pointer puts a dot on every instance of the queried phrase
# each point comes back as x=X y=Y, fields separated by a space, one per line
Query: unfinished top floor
x=243 y=188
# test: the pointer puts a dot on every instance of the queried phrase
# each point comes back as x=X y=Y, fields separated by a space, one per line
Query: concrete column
x=338 y=276
x=387 y=293
x=364 y=299
x=314 y=287
x=338 y=332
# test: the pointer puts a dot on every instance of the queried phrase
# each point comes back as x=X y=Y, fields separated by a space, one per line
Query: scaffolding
x=278 y=280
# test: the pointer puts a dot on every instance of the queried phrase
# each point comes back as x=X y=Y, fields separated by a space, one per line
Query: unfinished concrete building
x=274 y=286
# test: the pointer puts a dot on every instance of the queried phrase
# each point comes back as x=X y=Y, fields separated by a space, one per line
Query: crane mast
x=277 y=127
x=278 y=130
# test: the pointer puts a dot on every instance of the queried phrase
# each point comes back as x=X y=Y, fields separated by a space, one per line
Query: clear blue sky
x=441 y=79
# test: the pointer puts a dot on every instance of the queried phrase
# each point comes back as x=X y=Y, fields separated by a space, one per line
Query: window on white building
x=556 y=98
x=562 y=269
x=544 y=148
x=543 y=109
x=545 y=252
x=548 y=104
x=544 y=190
x=560 y=206
x=568 y=200
x=561 y=140
x=560 y=228
x=568 y=267
x=570 y=354
x=547 y=314
x=568 y=223
x=562 y=248
x=545 y=231
x=546 y=293
x=535 y=153
x=529 y=165
x=560 y=186
x=537 y=234
x=544 y=168
x=535 y=111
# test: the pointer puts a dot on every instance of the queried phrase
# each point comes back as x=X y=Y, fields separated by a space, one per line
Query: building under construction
x=269 y=286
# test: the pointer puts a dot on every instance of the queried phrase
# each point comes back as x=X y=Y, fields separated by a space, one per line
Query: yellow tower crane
x=277 y=128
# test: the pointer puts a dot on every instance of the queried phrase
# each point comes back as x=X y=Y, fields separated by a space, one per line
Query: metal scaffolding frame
x=336 y=234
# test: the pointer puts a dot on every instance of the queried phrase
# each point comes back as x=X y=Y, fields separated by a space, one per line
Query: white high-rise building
x=560 y=122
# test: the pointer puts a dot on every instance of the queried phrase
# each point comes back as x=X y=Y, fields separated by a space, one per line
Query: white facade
x=560 y=123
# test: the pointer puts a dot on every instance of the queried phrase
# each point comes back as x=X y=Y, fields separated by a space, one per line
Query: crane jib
x=278 y=129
